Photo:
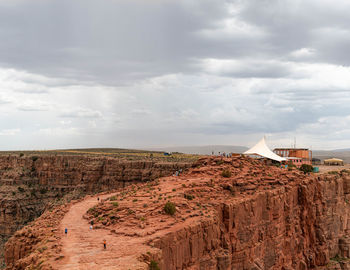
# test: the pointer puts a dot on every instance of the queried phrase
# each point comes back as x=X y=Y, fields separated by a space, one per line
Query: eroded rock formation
x=230 y=214
x=30 y=184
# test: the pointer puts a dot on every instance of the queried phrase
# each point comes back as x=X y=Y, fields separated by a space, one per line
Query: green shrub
x=43 y=190
x=226 y=173
x=219 y=162
x=333 y=172
x=170 y=208
x=291 y=165
x=20 y=189
x=113 y=198
x=115 y=204
x=34 y=158
x=306 y=168
x=92 y=210
x=21 y=155
x=189 y=196
x=153 y=265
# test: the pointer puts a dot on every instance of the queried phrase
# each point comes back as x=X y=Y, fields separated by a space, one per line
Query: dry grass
x=128 y=154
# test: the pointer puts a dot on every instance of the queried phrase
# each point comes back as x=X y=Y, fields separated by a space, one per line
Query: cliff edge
x=224 y=213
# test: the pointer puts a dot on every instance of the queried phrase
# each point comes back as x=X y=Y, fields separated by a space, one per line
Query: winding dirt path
x=82 y=248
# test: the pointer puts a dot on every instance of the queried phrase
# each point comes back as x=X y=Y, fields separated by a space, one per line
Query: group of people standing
x=91 y=228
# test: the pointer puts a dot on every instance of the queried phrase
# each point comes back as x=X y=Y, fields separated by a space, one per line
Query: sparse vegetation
x=226 y=173
x=338 y=258
x=170 y=208
x=115 y=204
x=153 y=265
x=42 y=249
x=333 y=172
x=306 y=168
x=189 y=197
x=219 y=162
x=20 y=189
x=43 y=190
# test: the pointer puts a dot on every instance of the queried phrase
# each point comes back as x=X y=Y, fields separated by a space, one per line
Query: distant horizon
x=161 y=148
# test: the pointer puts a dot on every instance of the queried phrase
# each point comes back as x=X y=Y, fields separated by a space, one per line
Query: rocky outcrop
x=303 y=225
x=31 y=184
x=251 y=217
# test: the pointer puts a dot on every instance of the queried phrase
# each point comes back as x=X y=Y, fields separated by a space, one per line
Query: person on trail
x=65 y=231
x=90 y=227
x=98 y=198
x=104 y=244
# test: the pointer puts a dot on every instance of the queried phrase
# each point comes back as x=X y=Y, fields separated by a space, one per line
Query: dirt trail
x=82 y=248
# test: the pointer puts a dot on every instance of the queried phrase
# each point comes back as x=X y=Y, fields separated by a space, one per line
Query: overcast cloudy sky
x=147 y=73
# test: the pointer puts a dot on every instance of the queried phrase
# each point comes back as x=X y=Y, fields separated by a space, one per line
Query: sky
x=153 y=73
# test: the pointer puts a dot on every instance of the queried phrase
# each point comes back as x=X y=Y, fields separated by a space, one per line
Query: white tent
x=261 y=149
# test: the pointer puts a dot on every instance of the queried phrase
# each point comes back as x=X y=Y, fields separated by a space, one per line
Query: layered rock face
x=30 y=184
x=302 y=225
x=230 y=214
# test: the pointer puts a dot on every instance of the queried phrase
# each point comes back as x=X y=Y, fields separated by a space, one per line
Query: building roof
x=333 y=159
x=261 y=149
x=291 y=148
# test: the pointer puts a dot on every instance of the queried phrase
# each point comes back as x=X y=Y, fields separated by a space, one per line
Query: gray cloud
x=134 y=73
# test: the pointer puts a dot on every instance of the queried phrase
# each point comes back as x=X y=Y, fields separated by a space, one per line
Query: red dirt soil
x=131 y=234
x=231 y=213
x=82 y=248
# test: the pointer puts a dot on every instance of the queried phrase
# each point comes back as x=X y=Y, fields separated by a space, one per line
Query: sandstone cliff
x=31 y=184
x=230 y=214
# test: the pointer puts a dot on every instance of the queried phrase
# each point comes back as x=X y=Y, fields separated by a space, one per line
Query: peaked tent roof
x=334 y=159
x=261 y=149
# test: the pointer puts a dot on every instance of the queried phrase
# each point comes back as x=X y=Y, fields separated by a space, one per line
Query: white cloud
x=59 y=131
x=303 y=53
x=10 y=132
x=81 y=113
x=183 y=73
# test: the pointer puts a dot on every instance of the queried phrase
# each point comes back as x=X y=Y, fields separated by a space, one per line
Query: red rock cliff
x=254 y=217
x=29 y=184
x=302 y=224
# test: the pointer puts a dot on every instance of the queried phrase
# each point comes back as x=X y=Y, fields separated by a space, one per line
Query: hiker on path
x=98 y=198
x=65 y=231
x=104 y=244
x=91 y=227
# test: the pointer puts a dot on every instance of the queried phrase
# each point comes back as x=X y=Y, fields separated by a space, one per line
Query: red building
x=296 y=156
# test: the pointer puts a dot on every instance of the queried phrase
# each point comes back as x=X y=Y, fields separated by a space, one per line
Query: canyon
x=226 y=213
x=31 y=184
